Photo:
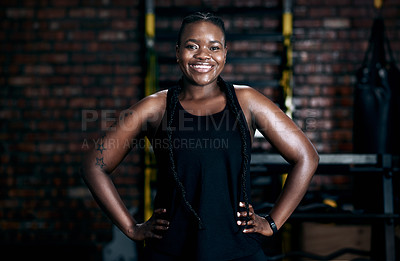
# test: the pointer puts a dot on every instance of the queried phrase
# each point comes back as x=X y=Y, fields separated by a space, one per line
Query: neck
x=194 y=92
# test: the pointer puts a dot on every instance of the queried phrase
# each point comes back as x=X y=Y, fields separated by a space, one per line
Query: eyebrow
x=197 y=41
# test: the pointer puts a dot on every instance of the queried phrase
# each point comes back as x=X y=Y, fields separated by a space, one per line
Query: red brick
x=39 y=69
x=83 y=103
x=38 y=3
x=307 y=23
x=63 y=46
x=112 y=13
x=112 y=36
x=54 y=58
x=96 y=46
x=65 y=3
x=128 y=3
x=308 y=2
x=51 y=13
x=82 y=59
x=308 y=45
x=353 y=11
x=320 y=79
x=124 y=25
x=321 y=102
x=336 y=2
x=38 y=46
x=247 y=3
x=82 y=13
x=99 y=69
x=128 y=70
x=325 y=11
x=18 y=13
x=337 y=23
x=21 y=80
x=162 y=3
x=249 y=68
x=82 y=36
x=22 y=36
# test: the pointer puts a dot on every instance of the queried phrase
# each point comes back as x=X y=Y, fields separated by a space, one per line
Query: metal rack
x=385 y=165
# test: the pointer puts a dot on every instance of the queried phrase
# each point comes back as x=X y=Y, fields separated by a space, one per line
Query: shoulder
x=154 y=103
x=244 y=91
x=250 y=97
x=151 y=109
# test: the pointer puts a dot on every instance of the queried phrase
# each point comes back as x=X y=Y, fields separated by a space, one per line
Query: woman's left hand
x=254 y=223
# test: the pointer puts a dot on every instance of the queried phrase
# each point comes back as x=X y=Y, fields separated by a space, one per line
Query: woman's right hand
x=152 y=228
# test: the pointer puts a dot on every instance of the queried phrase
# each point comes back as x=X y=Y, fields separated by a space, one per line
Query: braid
x=232 y=105
x=173 y=103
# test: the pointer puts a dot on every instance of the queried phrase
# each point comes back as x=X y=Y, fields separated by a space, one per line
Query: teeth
x=202 y=66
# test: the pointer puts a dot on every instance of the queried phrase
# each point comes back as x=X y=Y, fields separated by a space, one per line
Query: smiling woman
x=201 y=53
x=203 y=207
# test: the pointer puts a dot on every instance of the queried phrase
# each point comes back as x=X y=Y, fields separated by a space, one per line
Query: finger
x=252 y=216
x=243 y=205
x=251 y=222
x=242 y=214
x=162 y=222
x=241 y=223
x=163 y=228
x=249 y=230
x=160 y=211
x=156 y=236
x=251 y=209
x=246 y=223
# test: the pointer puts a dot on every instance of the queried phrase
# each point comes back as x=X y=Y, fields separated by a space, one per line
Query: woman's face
x=202 y=53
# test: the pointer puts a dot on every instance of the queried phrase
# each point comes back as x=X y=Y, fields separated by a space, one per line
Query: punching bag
x=376 y=98
x=376 y=124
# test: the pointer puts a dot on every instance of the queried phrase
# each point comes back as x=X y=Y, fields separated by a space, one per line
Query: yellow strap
x=150 y=25
x=287 y=24
x=378 y=4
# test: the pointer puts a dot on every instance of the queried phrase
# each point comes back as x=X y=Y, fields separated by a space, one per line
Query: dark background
x=62 y=59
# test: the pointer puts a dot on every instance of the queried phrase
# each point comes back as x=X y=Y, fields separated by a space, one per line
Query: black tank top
x=208 y=159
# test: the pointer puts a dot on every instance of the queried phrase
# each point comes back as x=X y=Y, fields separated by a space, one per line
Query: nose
x=203 y=54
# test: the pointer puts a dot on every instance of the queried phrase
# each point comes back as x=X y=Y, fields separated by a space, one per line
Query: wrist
x=272 y=224
x=131 y=231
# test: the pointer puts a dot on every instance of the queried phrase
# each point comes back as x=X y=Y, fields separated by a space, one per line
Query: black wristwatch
x=271 y=224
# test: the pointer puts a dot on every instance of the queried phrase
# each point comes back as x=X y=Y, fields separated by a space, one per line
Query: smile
x=201 y=68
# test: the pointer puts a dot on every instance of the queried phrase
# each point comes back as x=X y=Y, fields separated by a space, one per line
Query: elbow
x=316 y=160
x=313 y=160
x=309 y=159
x=86 y=167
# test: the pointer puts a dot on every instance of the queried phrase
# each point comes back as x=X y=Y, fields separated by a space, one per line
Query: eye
x=215 y=48
x=191 y=46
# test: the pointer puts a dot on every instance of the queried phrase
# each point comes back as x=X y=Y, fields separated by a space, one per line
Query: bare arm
x=291 y=143
x=108 y=153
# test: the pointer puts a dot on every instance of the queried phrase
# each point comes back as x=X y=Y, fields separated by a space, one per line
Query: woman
x=201 y=131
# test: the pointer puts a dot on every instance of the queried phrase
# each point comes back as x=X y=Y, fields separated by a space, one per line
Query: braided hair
x=243 y=134
x=197 y=17
x=172 y=107
x=228 y=90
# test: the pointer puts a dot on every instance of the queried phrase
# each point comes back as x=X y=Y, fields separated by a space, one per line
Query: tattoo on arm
x=100 y=162
x=101 y=147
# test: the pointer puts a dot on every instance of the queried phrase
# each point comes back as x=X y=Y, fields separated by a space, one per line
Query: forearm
x=295 y=188
x=108 y=198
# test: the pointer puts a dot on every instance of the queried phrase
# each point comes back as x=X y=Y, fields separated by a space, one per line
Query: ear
x=177 y=52
x=226 y=52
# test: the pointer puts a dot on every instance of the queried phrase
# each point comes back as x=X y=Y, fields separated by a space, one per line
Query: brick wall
x=63 y=62
x=66 y=61
x=330 y=40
